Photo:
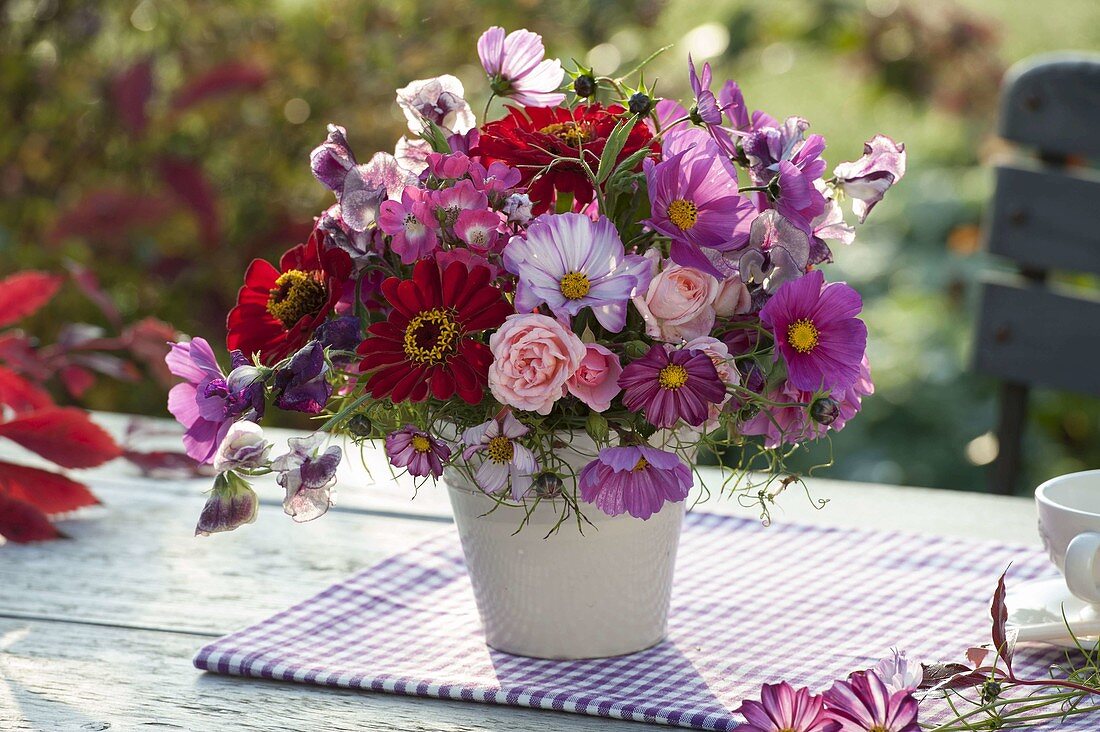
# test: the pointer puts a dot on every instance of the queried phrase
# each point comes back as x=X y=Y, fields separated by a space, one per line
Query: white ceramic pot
x=567 y=595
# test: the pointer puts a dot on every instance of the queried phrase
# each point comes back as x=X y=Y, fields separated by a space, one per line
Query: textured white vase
x=567 y=595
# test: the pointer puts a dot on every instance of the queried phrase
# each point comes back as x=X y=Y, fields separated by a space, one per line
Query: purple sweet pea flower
x=571 y=262
x=208 y=403
x=331 y=160
x=517 y=69
x=829 y=225
x=505 y=460
x=232 y=503
x=817 y=332
x=302 y=384
x=732 y=102
x=778 y=252
x=307 y=474
x=797 y=198
x=636 y=479
x=367 y=186
x=339 y=334
x=863 y=703
x=866 y=180
x=418 y=451
x=439 y=100
x=784 y=709
x=672 y=385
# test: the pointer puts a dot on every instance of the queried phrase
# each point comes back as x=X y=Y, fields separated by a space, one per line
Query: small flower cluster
x=596 y=261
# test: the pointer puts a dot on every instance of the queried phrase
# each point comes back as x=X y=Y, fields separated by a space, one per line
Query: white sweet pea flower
x=244 y=446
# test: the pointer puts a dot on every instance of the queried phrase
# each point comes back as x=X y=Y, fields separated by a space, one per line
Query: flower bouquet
x=553 y=311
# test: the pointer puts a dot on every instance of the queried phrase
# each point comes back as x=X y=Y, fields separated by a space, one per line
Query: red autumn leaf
x=76 y=380
x=20 y=394
x=107 y=214
x=17 y=352
x=62 y=435
x=130 y=92
x=225 y=79
x=189 y=183
x=999 y=612
x=49 y=492
x=147 y=340
x=164 y=463
x=22 y=293
x=21 y=522
x=88 y=282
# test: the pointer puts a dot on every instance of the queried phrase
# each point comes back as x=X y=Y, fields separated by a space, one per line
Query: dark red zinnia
x=426 y=341
x=278 y=309
x=529 y=138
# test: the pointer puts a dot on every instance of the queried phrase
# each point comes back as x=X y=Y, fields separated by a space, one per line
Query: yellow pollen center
x=420 y=443
x=431 y=337
x=575 y=285
x=672 y=376
x=642 y=464
x=683 y=213
x=802 y=335
x=296 y=294
x=570 y=133
x=500 y=450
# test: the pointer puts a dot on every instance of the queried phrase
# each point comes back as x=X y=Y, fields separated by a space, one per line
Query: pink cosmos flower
x=866 y=180
x=517 y=69
x=506 y=461
x=595 y=382
x=418 y=451
x=411 y=223
x=817 y=332
x=533 y=358
x=479 y=229
x=637 y=479
x=784 y=709
x=672 y=385
x=863 y=703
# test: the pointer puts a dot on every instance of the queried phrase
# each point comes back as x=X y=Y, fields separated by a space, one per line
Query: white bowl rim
x=1042 y=497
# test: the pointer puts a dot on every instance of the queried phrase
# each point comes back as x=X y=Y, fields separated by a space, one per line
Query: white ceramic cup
x=1069 y=525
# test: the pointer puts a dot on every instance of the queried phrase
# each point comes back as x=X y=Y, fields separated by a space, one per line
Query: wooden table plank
x=66 y=676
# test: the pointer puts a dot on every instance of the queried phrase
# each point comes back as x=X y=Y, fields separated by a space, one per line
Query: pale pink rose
x=533 y=358
x=719 y=354
x=733 y=298
x=679 y=303
x=596 y=381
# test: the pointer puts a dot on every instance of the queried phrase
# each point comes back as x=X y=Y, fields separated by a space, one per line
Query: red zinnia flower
x=529 y=138
x=426 y=340
x=278 y=309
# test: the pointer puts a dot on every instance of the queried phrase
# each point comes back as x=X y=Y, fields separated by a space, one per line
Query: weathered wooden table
x=98 y=632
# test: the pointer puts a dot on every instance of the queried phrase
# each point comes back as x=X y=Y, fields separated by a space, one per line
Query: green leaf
x=616 y=141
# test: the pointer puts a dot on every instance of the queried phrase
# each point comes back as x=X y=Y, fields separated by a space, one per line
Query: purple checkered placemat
x=750 y=605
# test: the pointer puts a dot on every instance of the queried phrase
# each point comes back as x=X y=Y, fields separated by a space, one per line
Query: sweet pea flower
x=778 y=252
x=302 y=384
x=439 y=100
x=595 y=382
x=331 y=160
x=829 y=225
x=679 y=303
x=368 y=185
x=533 y=358
x=243 y=447
x=517 y=69
x=866 y=180
x=232 y=503
x=307 y=475
x=517 y=207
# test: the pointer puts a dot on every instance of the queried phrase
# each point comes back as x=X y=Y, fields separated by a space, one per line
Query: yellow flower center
x=575 y=285
x=683 y=213
x=420 y=443
x=642 y=464
x=672 y=376
x=296 y=294
x=500 y=450
x=431 y=337
x=570 y=133
x=802 y=335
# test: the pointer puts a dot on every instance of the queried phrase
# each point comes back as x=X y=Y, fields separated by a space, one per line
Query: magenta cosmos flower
x=695 y=203
x=863 y=703
x=638 y=480
x=506 y=461
x=817 y=331
x=416 y=450
x=784 y=709
x=571 y=262
x=671 y=385
x=517 y=69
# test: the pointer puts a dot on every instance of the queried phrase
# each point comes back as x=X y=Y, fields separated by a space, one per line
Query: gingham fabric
x=751 y=604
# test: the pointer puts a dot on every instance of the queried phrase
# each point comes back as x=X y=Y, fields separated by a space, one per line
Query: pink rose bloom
x=533 y=358
x=719 y=354
x=596 y=380
x=678 y=306
x=733 y=298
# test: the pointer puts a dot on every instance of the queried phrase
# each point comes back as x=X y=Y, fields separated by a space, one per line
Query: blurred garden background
x=150 y=149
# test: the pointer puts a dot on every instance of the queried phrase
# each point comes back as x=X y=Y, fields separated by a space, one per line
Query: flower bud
x=596 y=426
x=824 y=411
x=360 y=426
x=635 y=349
x=640 y=104
x=584 y=85
x=547 y=485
